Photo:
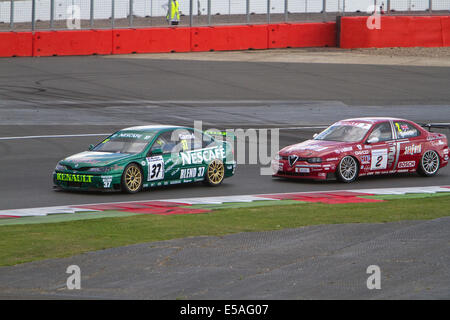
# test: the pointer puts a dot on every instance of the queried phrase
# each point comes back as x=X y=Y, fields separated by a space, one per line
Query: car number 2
x=155 y=168
x=379 y=159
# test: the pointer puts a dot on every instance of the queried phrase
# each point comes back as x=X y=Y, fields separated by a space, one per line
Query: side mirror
x=91 y=147
x=373 y=140
x=156 y=152
x=315 y=135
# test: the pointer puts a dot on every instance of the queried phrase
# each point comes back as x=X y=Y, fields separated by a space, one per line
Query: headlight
x=60 y=167
x=99 y=169
x=314 y=160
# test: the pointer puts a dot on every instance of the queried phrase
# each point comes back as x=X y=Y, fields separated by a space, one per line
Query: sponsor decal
x=391 y=155
x=302 y=147
x=359 y=146
x=186 y=136
x=332 y=159
x=406 y=164
x=437 y=143
x=129 y=135
x=439 y=136
x=107 y=181
x=347 y=149
x=365 y=159
x=174 y=172
x=155 y=168
x=413 y=149
x=358 y=153
x=361 y=125
x=73 y=177
x=302 y=170
x=445 y=151
x=198 y=156
x=192 y=173
x=379 y=159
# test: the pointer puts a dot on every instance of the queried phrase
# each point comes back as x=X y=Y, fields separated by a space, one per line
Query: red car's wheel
x=429 y=164
x=347 y=170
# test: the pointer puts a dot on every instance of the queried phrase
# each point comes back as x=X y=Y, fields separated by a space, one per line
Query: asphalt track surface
x=94 y=95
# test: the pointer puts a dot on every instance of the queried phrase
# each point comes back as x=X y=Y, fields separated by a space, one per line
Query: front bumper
x=303 y=170
x=80 y=181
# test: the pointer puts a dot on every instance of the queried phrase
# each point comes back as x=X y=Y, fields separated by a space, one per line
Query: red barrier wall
x=151 y=40
x=72 y=43
x=445 y=22
x=302 y=35
x=229 y=38
x=16 y=44
x=399 y=31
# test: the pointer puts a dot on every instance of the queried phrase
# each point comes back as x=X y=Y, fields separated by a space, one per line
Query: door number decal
x=155 y=168
x=379 y=159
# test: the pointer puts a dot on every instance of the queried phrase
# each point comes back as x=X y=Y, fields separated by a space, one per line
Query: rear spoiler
x=430 y=126
x=221 y=134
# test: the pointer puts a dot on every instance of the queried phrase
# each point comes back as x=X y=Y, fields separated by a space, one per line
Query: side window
x=208 y=141
x=163 y=142
x=405 y=130
x=183 y=139
x=382 y=131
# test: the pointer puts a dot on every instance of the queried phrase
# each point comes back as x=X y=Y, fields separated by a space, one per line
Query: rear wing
x=430 y=126
x=223 y=135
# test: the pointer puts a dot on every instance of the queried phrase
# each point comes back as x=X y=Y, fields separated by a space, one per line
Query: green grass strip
x=407 y=196
x=24 y=243
x=54 y=218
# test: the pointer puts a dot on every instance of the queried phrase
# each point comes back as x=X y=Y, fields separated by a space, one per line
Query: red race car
x=365 y=146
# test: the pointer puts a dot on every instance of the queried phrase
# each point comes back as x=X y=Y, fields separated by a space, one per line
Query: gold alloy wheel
x=133 y=178
x=216 y=172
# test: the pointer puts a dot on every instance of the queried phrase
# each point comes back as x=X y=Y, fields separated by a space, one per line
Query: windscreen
x=125 y=142
x=344 y=132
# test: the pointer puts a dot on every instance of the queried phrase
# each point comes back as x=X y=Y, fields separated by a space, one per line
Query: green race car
x=141 y=157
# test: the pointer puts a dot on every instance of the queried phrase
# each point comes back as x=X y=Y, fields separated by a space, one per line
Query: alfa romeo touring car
x=365 y=146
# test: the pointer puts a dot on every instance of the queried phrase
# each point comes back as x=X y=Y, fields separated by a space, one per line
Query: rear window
x=405 y=130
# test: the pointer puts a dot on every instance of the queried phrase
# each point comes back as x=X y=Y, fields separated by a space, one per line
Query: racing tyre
x=347 y=170
x=429 y=164
x=132 y=179
x=215 y=173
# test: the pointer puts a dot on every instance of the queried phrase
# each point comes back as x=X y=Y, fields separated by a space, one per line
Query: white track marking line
x=56 y=136
x=107 y=134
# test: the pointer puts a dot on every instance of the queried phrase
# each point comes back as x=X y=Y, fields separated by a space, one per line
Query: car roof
x=374 y=120
x=151 y=128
